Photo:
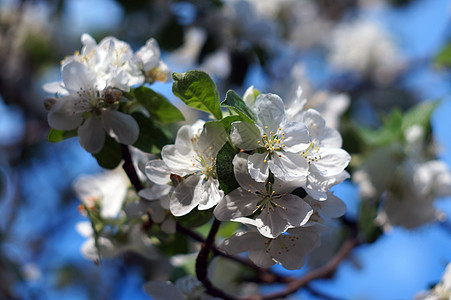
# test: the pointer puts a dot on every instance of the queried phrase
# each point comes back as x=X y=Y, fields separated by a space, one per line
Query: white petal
x=261 y=258
x=289 y=166
x=270 y=112
x=64 y=115
x=77 y=76
x=162 y=290
x=211 y=140
x=158 y=172
x=332 y=207
x=183 y=200
x=245 y=135
x=208 y=194
x=241 y=171
x=243 y=241
x=331 y=138
x=179 y=163
x=155 y=192
x=294 y=210
x=121 y=126
x=272 y=223
x=258 y=166
x=183 y=140
x=315 y=123
x=56 y=87
x=91 y=135
x=333 y=161
x=238 y=203
x=89 y=43
x=296 y=137
x=84 y=228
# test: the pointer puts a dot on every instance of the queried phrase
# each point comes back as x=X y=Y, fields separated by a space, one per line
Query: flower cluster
x=284 y=171
x=92 y=87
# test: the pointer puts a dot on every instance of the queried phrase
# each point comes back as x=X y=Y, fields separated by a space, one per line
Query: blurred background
x=356 y=60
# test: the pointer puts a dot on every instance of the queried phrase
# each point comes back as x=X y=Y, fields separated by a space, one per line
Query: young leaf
x=443 y=59
x=56 y=136
x=235 y=102
x=110 y=156
x=158 y=106
x=151 y=138
x=197 y=90
x=224 y=168
x=420 y=114
x=227 y=122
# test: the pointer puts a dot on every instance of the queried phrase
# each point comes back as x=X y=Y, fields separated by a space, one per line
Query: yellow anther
x=280 y=155
x=210 y=147
x=258 y=142
x=280 y=128
x=274 y=193
x=283 y=133
x=282 y=138
x=283 y=145
x=249 y=191
x=264 y=161
x=271 y=132
x=266 y=127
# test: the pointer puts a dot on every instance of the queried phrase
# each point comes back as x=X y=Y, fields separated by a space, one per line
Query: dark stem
x=130 y=169
x=202 y=263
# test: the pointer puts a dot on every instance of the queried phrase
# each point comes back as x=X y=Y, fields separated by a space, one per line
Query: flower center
x=311 y=154
x=268 y=199
x=273 y=141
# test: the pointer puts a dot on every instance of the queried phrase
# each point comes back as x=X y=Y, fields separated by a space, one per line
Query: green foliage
x=159 y=107
x=224 y=168
x=151 y=137
x=389 y=132
x=195 y=218
x=197 y=90
x=56 y=136
x=110 y=156
x=174 y=244
x=420 y=114
x=226 y=122
x=237 y=104
x=443 y=59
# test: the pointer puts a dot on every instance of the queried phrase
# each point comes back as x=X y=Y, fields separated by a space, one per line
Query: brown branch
x=130 y=169
x=202 y=263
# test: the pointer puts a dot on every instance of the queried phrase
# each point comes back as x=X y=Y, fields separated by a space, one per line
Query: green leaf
x=235 y=102
x=56 y=136
x=420 y=114
x=151 y=137
x=226 y=122
x=367 y=225
x=224 y=168
x=197 y=90
x=111 y=155
x=389 y=133
x=443 y=59
x=195 y=218
x=159 y=107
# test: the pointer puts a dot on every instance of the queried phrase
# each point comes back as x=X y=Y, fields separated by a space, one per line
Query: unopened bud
x=49 y=102
x=111 y=96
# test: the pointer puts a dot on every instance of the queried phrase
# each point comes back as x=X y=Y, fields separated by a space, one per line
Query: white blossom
x=277 y=141
x=274 y=208
x=191 y=161
x=87 y=95
x=442 y=291
x=288 y=249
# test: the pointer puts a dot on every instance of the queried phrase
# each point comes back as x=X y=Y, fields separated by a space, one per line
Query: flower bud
x=49 y=102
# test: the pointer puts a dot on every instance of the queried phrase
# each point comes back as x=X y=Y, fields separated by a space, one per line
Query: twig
x=130 y=169
x=322 y=272
x=202 y=262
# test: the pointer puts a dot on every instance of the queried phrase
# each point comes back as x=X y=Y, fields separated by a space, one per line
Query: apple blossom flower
x=191 y=164
x=276 y=141
x=107 y=191
x=87 y=95
x=150 y=63
x=274 y=208
x=288 y=249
